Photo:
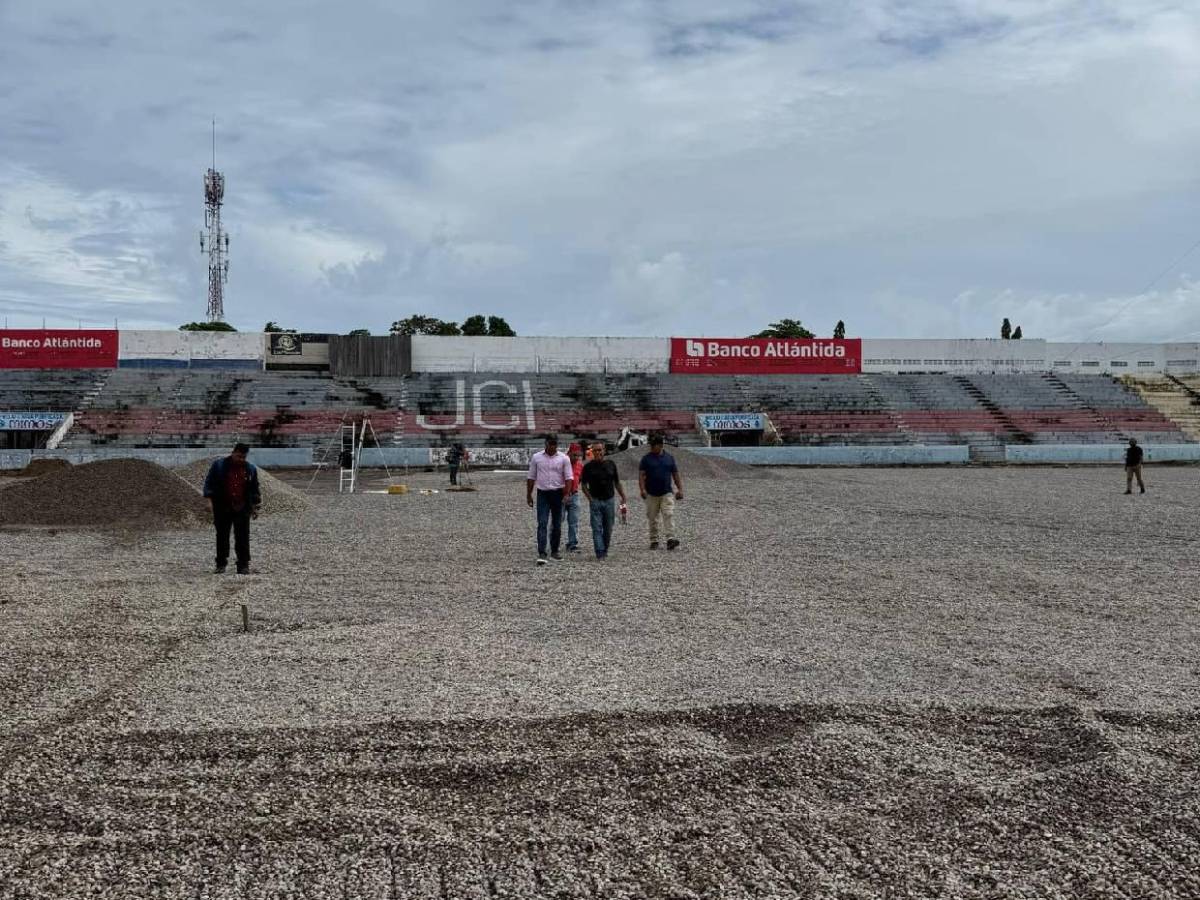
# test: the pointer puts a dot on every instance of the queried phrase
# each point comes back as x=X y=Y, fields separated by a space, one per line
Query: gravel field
x=846 y=683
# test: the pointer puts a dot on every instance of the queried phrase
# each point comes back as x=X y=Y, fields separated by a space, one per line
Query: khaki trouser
x=1130 y=472
x=664 y=505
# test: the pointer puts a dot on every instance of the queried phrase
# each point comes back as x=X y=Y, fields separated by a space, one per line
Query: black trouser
x=454 y=473
x=225 y=518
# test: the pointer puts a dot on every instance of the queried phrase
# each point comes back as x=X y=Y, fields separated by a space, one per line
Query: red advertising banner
x=770 y=356
x=57 y=349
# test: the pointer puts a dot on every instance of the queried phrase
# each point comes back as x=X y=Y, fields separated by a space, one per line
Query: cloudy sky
x=918 y=169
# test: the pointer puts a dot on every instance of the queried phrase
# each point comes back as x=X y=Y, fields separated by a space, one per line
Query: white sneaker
x=541 y=561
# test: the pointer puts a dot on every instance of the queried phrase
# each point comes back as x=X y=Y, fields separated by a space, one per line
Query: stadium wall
x=15 y=459
x=540 y=354
x=906 y=455
x=1029 y=355
x=268 y=457
x=191 y=349
x=1051 y=454
x=965 y=356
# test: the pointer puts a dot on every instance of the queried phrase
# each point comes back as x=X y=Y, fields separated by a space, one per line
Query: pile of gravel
x=129 y=493
x=691 y=465
x=277 y=497
x=37 y=468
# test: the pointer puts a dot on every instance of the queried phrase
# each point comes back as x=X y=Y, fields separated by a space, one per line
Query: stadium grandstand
x=132 y=392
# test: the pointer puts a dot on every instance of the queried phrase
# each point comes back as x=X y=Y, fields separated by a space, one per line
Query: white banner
x=30 y=421
x=730 y=421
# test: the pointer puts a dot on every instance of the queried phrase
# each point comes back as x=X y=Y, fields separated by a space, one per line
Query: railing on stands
x=56 y=437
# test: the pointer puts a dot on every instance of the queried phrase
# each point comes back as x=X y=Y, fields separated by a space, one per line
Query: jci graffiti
x=478 y=407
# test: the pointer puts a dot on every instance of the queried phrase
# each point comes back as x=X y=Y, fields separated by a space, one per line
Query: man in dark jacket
x=455 y=457
x=1133 y=467
x=232 y=490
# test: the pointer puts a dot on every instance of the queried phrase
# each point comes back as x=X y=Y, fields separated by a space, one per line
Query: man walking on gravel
x=550 y=472
x=231 y=487
x=600 y=480
x=572 y=500
x=655 y=474
x=1133 y=467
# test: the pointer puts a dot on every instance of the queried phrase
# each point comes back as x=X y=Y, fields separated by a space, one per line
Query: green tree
x=419 y=324
x=497 y=327
x=475 y=326
x=1017 y=333
x=784 y=328
x=361 y=332
x=207 y=326
x=839 y=330
x=276 y=328
x=1005 y=330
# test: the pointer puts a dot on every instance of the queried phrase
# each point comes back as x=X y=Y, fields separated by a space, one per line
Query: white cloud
x=687 y=165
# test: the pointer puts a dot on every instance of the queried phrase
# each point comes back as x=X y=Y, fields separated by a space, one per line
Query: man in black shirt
x=600 y=480
x=1133 y=466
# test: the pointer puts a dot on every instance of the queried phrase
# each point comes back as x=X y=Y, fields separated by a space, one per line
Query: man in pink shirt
x=550 y=472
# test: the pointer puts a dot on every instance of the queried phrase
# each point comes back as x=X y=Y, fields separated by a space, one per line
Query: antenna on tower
x=216 y=242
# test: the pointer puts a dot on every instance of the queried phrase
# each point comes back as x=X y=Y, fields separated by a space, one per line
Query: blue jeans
x=603 y=514
x=549 y=511
x=573 y=521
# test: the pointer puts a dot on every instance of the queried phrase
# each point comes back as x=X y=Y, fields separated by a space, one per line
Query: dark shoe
x=541 y=561
x=654 y=545
x=1142 y=491
x=572 y=549
x=672 y=544
x=556 y=555
x=219 y=570
x=602 y=556
x=1129 y=492
x=243 y=570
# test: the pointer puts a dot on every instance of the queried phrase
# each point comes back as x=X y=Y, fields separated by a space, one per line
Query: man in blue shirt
x=655 y=474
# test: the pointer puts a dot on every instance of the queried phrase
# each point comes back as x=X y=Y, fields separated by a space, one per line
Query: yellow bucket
x=397 y=488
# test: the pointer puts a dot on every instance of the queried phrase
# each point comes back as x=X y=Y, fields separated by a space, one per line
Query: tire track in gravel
x=539 y=809
x=33 y=740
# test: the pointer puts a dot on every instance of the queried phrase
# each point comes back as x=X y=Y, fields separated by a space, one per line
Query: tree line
x=495 y=326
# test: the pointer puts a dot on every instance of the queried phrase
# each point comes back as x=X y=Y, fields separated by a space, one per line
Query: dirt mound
x=277 y=497
x=127 y=493
x=691 y=465
x=37 y=468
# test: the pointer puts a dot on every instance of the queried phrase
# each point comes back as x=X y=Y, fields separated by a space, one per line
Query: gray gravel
x=113 y=493
x=846 y=683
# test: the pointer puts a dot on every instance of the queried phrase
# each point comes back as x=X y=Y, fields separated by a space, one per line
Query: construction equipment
x=349 y=440
x=464 y=476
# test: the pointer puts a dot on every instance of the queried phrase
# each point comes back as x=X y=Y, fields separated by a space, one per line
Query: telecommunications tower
x=216 y=244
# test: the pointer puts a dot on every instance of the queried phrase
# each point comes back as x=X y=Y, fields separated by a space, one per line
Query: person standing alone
x=600 y=480
x=550 y=472
x=1133 y=467
x=456 y=456
x=231 y=487
x=655 y=474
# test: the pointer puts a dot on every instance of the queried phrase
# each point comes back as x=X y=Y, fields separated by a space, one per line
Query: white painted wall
x=545 y=354
x=185 y=345
x=153 y=345
x=599 y=354
x=1028 y=355
x=227 y=345
x=964 y=355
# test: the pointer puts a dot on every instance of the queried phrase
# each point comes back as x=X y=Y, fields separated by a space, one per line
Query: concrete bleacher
x=209 y=408
x=33 y=390
x=173 y=408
